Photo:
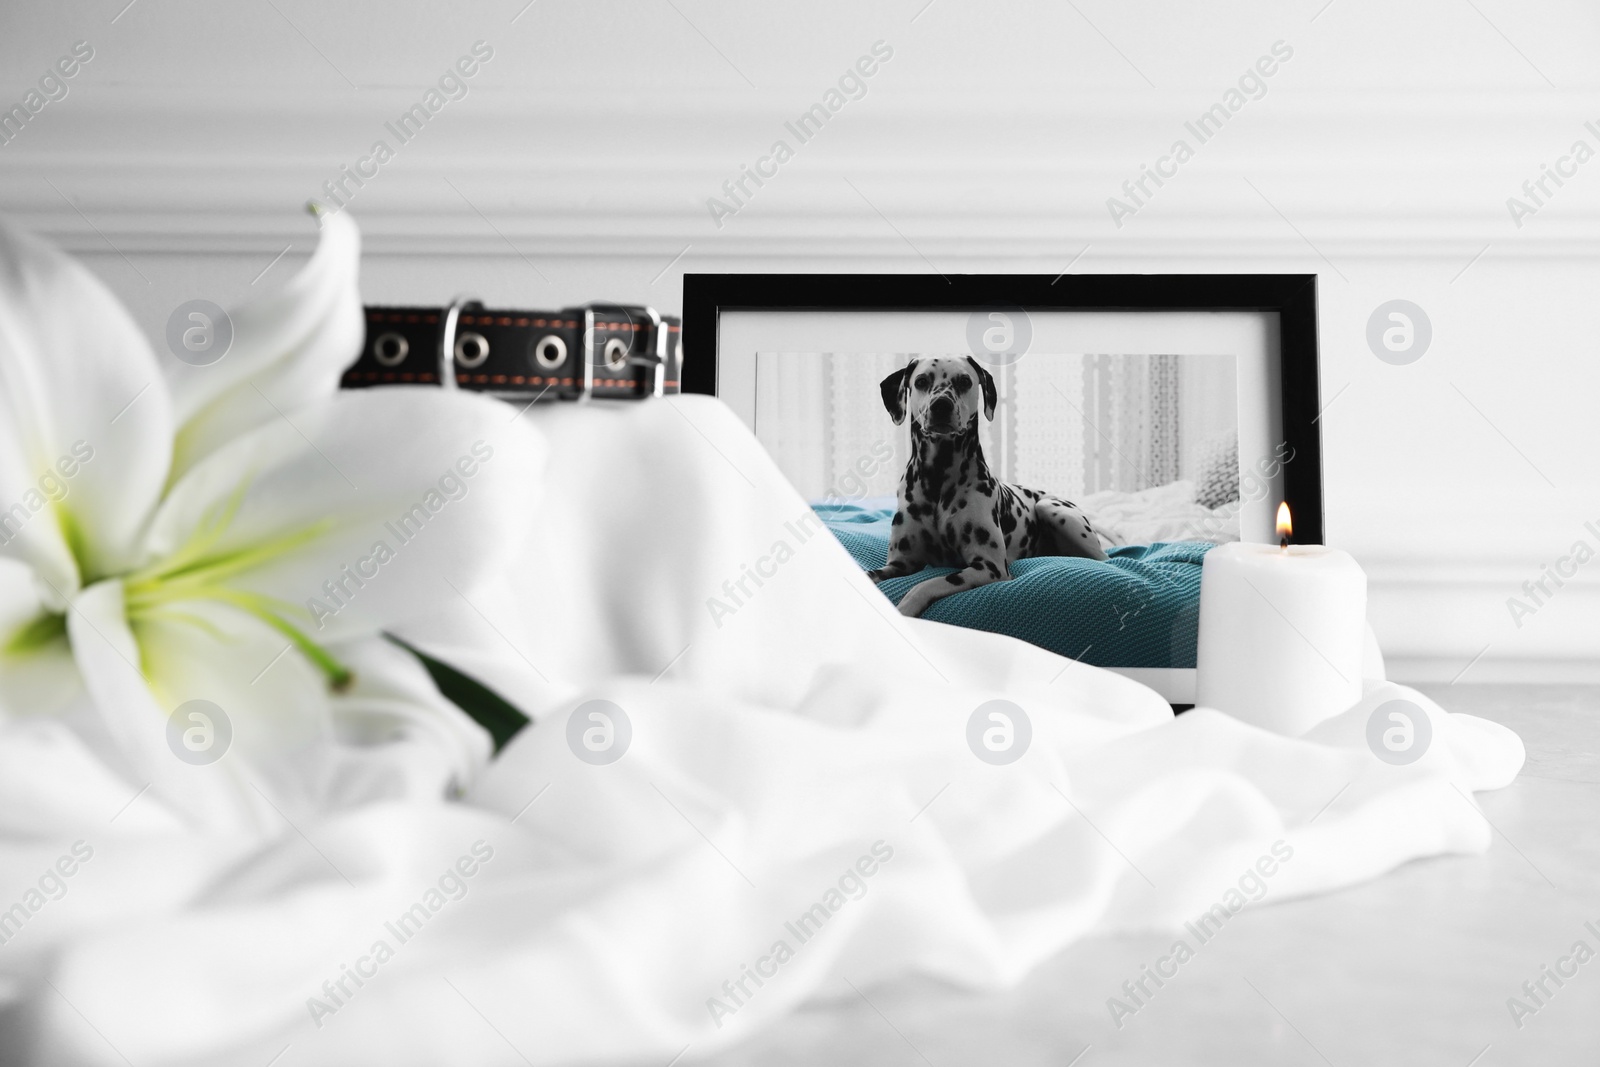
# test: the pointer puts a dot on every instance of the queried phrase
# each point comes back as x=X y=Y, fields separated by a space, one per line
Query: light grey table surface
x=1413 y=968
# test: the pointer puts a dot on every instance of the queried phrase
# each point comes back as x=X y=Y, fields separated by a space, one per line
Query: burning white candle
x=1281 y=632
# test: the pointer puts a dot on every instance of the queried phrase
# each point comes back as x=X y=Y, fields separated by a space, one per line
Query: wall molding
x=603 y=174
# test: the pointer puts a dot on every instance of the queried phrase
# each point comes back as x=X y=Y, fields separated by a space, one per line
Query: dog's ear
x=987 y=381
x=893 y=389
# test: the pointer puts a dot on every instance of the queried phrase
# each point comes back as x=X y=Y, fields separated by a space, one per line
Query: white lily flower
x=242 y=535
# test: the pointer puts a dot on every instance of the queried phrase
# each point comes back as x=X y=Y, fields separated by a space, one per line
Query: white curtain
x=792 y=416
x=1136 y=420
x=859 y=429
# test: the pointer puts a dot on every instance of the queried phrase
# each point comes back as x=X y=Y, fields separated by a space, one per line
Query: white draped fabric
x=789 y=733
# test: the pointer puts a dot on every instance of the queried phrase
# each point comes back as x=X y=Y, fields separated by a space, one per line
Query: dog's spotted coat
x=953 y=512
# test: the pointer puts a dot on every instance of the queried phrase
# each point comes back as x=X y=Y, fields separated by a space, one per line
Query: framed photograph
x=1169 y=412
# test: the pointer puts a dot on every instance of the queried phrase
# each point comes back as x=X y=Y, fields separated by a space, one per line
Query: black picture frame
x=1292 y=296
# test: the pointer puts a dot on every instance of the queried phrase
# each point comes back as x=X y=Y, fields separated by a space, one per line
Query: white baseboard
x=1177 y=685
x=1450 y=622
x=1524 y=670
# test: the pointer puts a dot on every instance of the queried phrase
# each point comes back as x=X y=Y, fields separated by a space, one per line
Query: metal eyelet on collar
x=390 y=349
x=616 y=353
x=471 y=350
x=550 y=351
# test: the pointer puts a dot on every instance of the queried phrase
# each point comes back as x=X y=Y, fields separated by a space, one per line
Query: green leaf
x=486 y=707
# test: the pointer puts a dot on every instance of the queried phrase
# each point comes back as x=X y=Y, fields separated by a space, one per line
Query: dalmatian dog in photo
x=952 y=511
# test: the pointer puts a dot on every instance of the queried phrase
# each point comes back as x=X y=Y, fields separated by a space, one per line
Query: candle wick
x=1283 y=544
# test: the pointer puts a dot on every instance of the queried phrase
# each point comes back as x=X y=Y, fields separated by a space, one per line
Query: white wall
x=578 y=167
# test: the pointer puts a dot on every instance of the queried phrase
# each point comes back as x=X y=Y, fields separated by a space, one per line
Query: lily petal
x=350 y=515
x=389 y=735
x=108 y=656
x=85 y=420
x=288 y=349
x=275 y=702
x=399 y=737
x=277 y=747
x=37 y=672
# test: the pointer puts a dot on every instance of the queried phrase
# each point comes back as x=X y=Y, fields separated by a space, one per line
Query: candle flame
x=1285 y=523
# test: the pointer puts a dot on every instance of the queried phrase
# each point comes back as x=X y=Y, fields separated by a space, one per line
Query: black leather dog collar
x=602 y=350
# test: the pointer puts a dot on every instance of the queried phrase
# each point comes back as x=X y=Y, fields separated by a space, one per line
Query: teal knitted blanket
x=1140 y=608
